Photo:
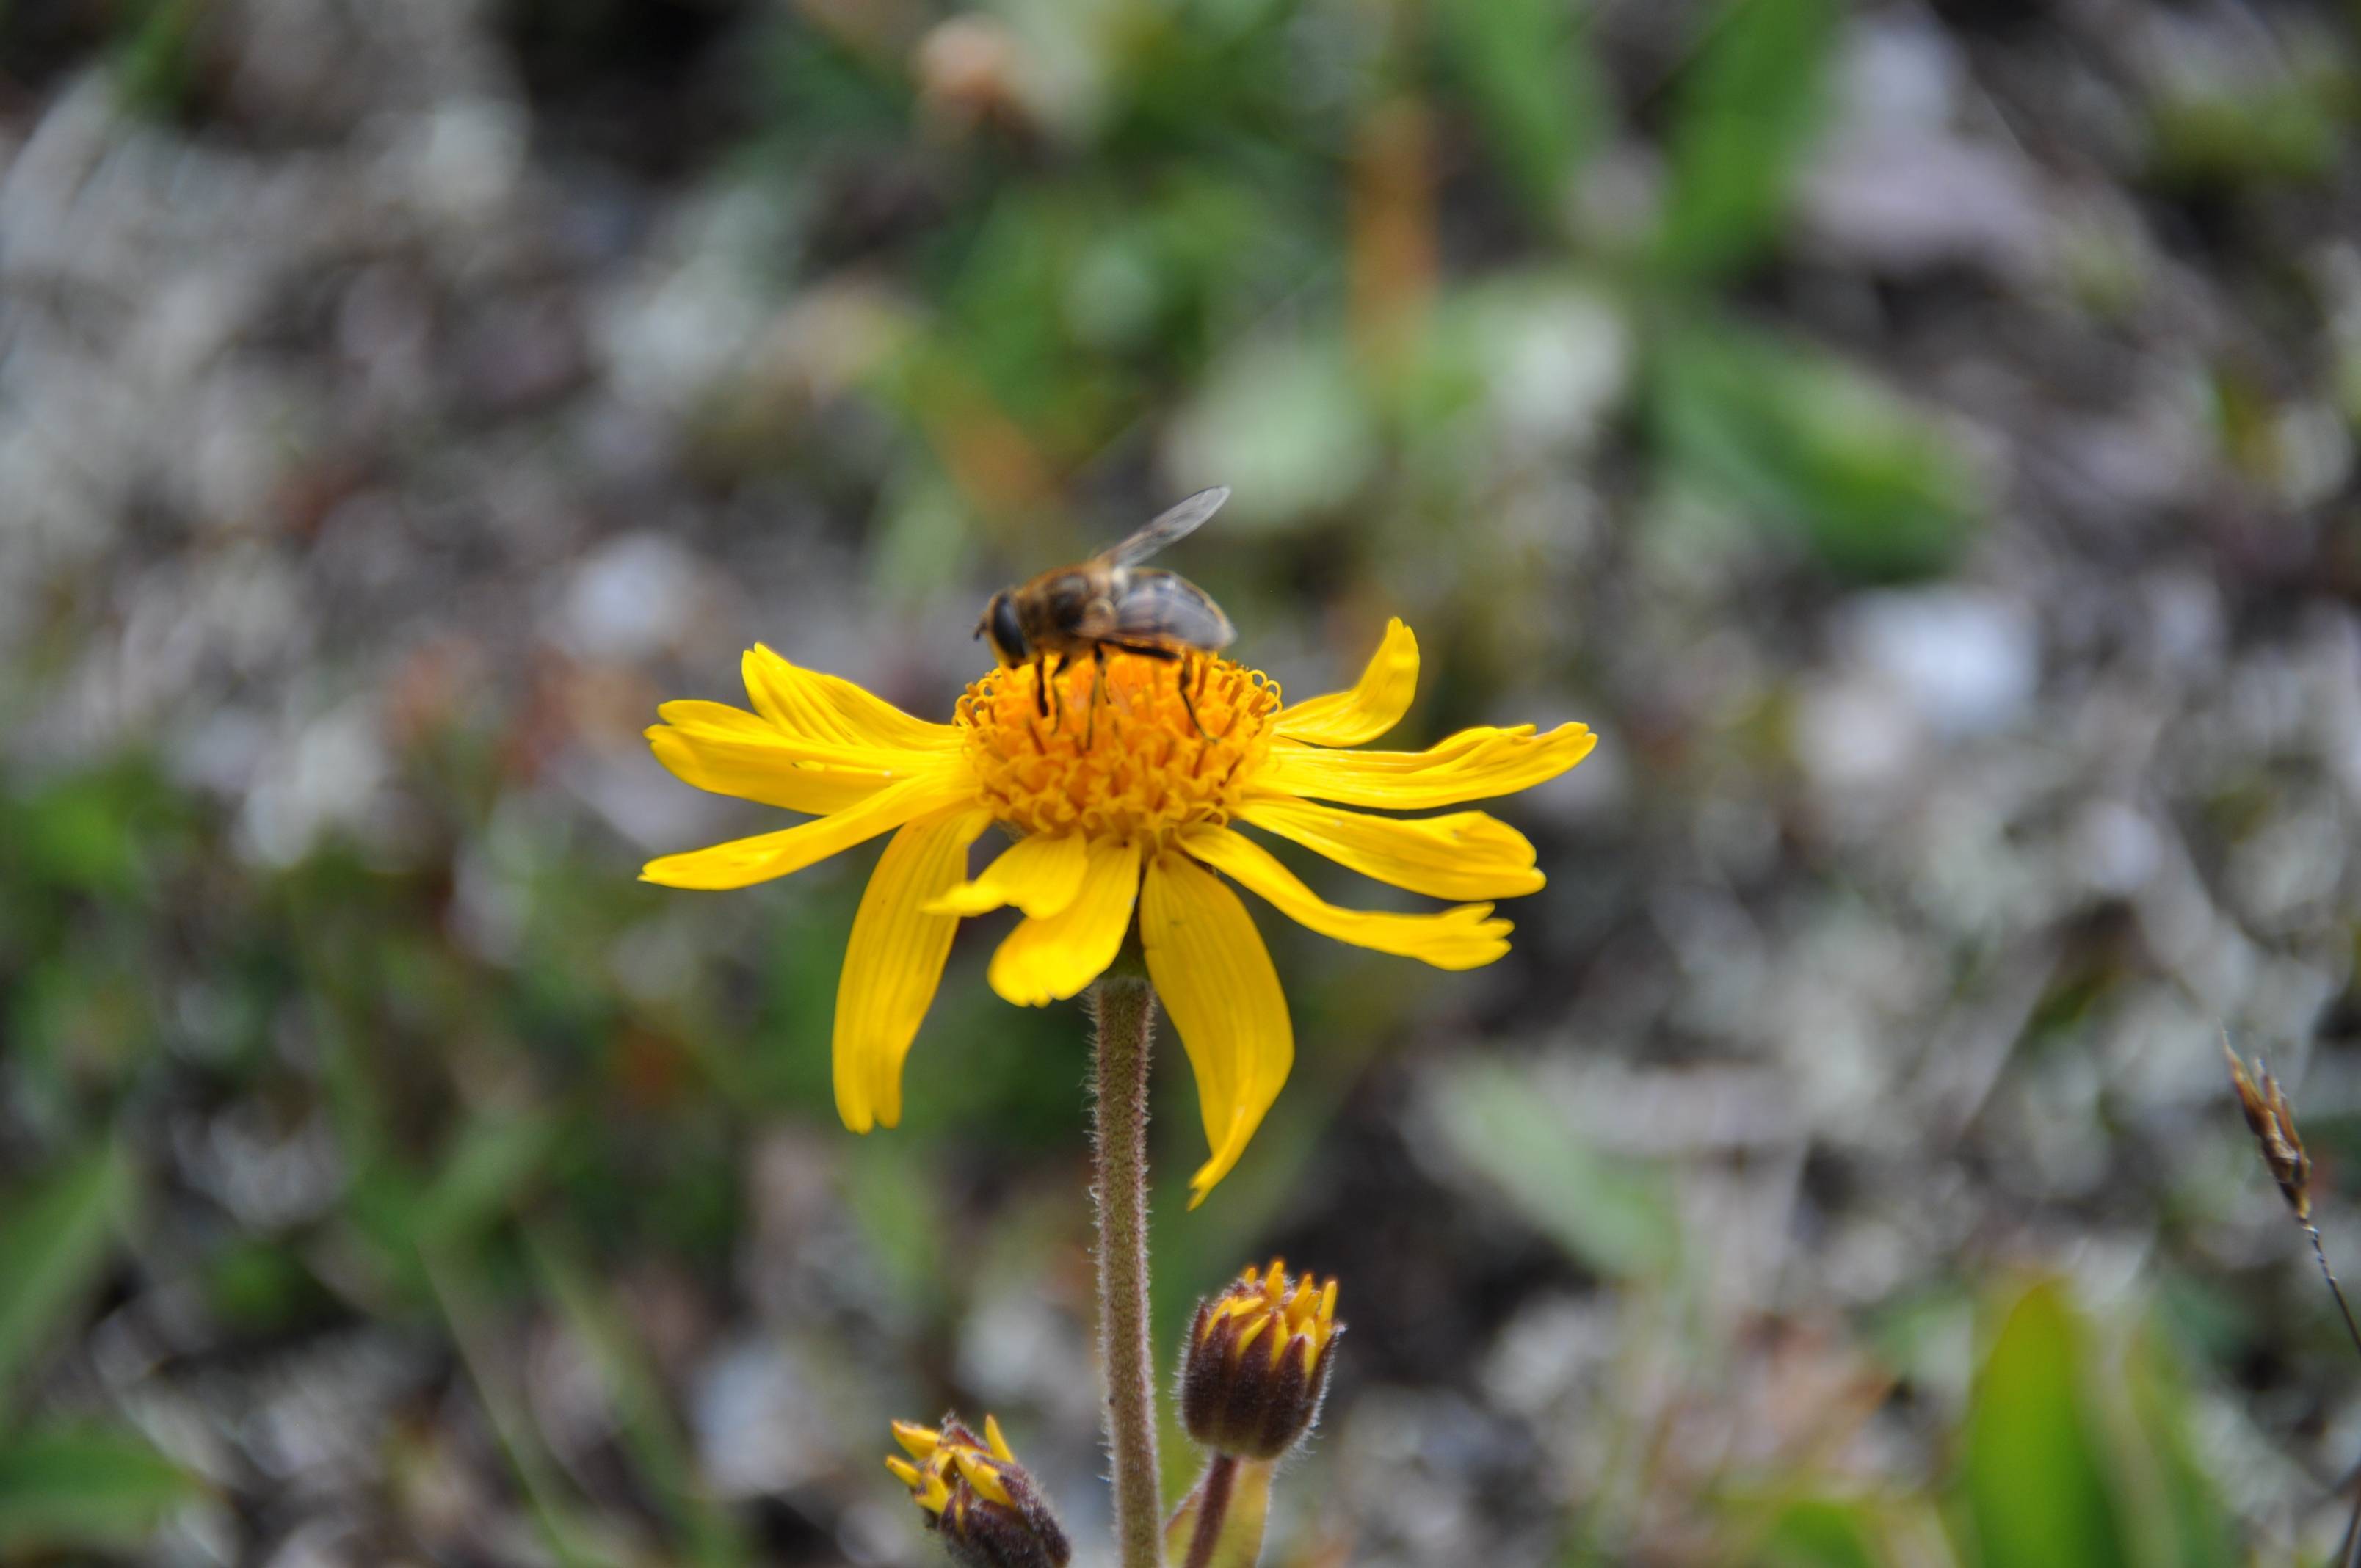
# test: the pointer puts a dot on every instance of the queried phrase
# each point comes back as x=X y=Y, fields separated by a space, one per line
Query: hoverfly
x=1112 y=601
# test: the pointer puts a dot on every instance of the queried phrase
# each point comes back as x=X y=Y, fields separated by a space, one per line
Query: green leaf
x=1879 y=490
x=1822 y=1533
x=53 y=1246
x=86 y=1487
x=1747 y=109
x=2034 y=1481
x=1615 y=1215
x=1533 y=86
x=2187 y=1523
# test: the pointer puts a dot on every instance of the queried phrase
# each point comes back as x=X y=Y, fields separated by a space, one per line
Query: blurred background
x=1919 y=437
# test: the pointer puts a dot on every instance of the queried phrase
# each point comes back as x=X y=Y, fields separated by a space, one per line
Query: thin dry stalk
x=2272 y=1121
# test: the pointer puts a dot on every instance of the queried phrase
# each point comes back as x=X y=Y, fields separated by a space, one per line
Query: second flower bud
x=1256 y=1364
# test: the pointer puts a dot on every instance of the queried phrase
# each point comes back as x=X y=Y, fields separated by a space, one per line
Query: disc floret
x=1140 y=749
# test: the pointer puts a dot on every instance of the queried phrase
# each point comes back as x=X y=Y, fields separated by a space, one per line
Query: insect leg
x=1098 y=680
x=1188 y=703
x=1057 y=688
x=1041 y=684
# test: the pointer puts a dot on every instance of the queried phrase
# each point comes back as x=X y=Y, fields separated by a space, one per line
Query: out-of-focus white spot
x=1965 y=663
x=631 y=597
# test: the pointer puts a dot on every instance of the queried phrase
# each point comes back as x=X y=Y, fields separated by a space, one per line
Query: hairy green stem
x=1213 y=1511
x=1121 y=1009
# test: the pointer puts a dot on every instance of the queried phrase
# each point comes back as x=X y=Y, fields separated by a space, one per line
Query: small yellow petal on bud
x=980 y=1476
x=921 y=1441
x=998 y=1443
x=1247 y=1336
x=903 y=1471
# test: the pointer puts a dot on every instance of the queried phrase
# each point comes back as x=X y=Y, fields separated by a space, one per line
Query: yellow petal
x=743 y=862
x=1462 y=938
x=1467 y=854
x=1040 y=873
x=1374 y=705
x=1048 y=959
x=830 y=708
x=730 y=751
x=980 y=1476
x=894 y=962
x=1214 y=974
x=1474 y=764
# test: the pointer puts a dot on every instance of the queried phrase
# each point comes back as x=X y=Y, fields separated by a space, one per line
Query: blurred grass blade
x=637 y=1395
x=53 y=1246
x=1746 y=112
x=1820 y=1532
x=1617 y=1216
x=84 y=1488
x=574 y=1537
x=2181 y=1502
x=2036 y=1489
x=490 y=1161
x=1532 y=85
x=1879 y=490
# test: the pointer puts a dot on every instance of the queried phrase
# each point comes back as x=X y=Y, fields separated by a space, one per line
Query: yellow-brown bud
x=2273 y=1125
x=1256 y=1364
x=977 y=1498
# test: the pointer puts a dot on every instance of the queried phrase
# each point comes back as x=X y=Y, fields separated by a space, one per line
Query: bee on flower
x=1123 y=779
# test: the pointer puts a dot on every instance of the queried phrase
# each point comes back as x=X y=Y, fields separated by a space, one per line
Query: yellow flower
x=1118 y=800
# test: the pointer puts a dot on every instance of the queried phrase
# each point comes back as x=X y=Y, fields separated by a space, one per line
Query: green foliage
x=1533 y=86
x=1823 y=1533
x=54 y=1241
x=1747 y=110
x=155 y=55
x=1791 y=436
x=84 y=1488
x=2288 y=131
x=633 y=1390
x=2034 y=1471
x=1614 y=1216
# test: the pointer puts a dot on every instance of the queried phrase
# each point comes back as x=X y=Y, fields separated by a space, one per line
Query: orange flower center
x=1121 y=758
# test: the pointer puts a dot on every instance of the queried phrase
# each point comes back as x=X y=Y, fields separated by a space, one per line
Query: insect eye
x=1007 y=636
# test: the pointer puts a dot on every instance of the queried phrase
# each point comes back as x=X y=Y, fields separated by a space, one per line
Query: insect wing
x=1160 y=607
x=1175 y=522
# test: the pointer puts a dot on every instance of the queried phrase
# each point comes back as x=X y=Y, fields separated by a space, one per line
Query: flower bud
x=1257 y=1363
x=977 y=1498
x=2271 y=1120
